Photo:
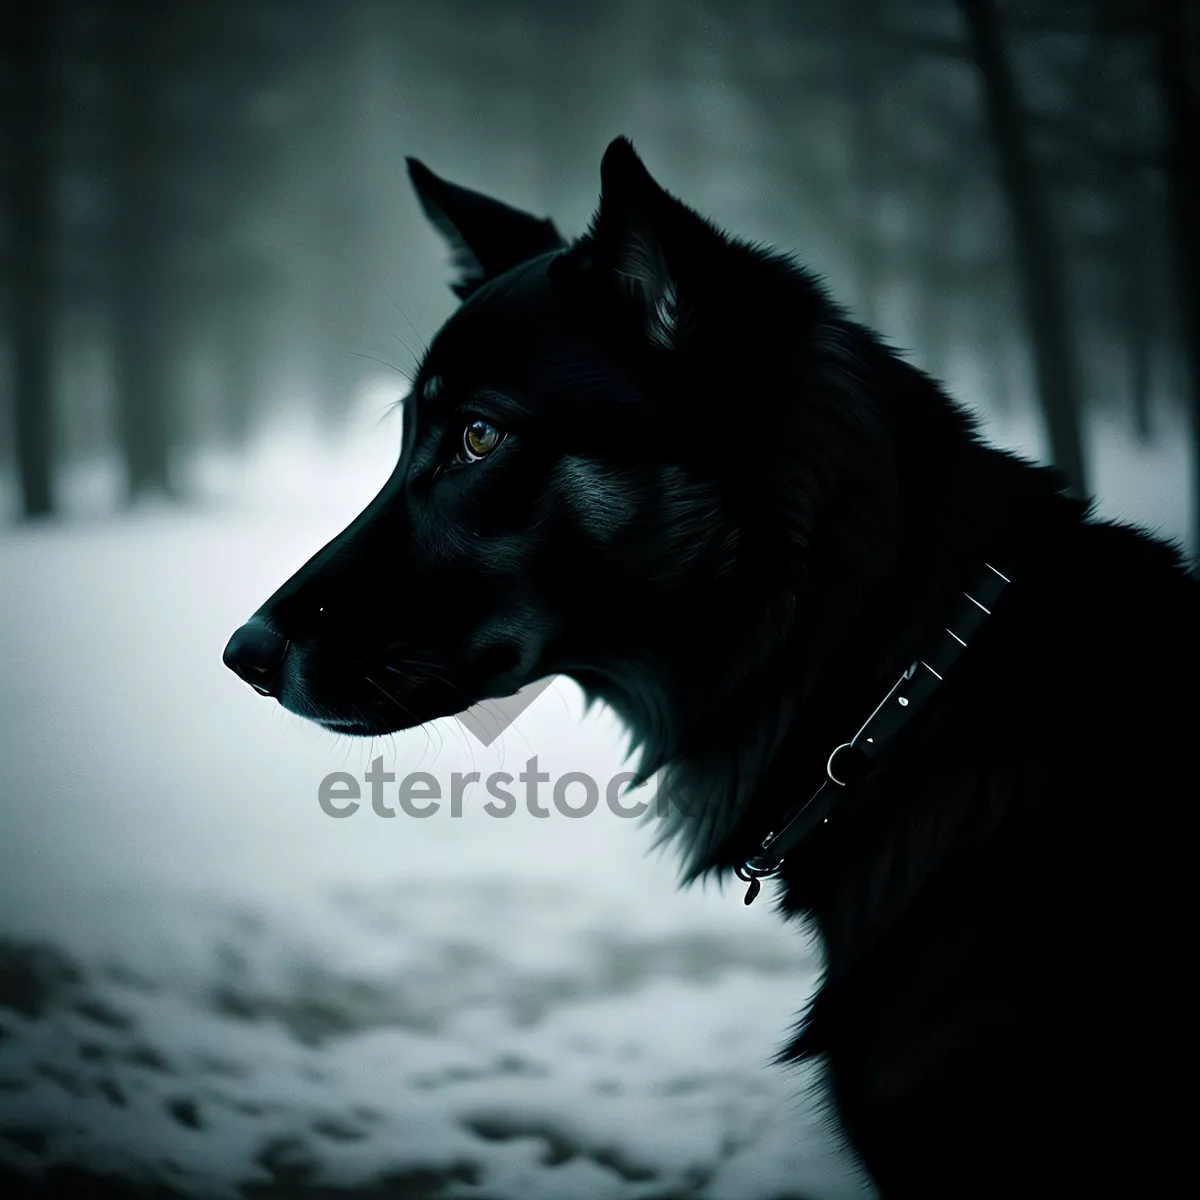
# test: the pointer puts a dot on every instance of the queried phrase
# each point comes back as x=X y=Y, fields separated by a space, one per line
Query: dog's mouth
x=362 y=726
x=365 y=695
x=354 y=728
x=371 y=701
x=361 y=715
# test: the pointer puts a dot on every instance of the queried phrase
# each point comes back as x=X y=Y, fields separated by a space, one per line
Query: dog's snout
x=256 y=653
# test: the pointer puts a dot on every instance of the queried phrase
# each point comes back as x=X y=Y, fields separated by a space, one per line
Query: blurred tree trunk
x=937 y=296
x=868 y=150
x=31 y=121
x=240 y=339
x=1039 y=259
x=141 y=294
x=335 y=279
x=1176 y=68
x=930 y=326
x=1139 y=303
x=557 y=90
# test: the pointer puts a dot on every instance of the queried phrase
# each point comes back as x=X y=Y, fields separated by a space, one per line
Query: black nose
x=256 y=653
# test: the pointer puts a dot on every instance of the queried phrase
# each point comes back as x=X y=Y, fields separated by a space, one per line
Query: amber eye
x=480 y=438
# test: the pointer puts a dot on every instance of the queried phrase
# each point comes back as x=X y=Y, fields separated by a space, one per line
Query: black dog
x=662 y=462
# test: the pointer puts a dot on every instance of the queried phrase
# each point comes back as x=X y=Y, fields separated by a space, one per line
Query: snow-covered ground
x=208 y=984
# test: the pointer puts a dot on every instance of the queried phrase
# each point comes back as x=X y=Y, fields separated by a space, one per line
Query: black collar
x=852 y=760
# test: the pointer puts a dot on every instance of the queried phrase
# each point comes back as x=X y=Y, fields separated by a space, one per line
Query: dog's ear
x=628 y=230
x=486 y=236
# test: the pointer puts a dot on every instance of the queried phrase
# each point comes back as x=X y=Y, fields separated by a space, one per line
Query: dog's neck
x=734 y=751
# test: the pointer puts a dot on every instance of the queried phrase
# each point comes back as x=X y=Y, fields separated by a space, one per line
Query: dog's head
x=604 y=472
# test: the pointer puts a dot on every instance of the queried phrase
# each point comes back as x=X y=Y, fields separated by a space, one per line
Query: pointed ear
x=486 y=236
x=628 y=230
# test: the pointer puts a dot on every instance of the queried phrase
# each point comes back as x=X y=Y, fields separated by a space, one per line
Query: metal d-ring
x=829 y=763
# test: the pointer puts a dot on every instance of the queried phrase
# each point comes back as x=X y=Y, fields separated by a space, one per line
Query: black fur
x=735 y=515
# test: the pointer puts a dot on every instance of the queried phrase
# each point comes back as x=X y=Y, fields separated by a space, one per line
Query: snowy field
x=208 y=987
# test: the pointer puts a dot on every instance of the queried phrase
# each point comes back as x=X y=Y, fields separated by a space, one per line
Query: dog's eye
x=480 y=438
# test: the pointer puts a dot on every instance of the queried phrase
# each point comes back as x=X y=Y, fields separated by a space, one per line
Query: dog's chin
x=371 y=724
x=363 y=713
x=356 y=727
x=368 y=725
x=367 y=720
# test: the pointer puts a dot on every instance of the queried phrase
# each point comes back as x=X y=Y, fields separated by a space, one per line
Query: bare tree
x=1039 y=258
x=1177 y=46
x=141 y=299
x=31 y=119
x=866 y=100
x=1139 y=301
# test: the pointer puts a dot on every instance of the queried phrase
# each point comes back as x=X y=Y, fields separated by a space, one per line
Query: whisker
x=426 y=673
x=404 y=315
x=391 y=366
x=437 y=678
x=388 y=410
x=407 y=711
x=411 y=352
